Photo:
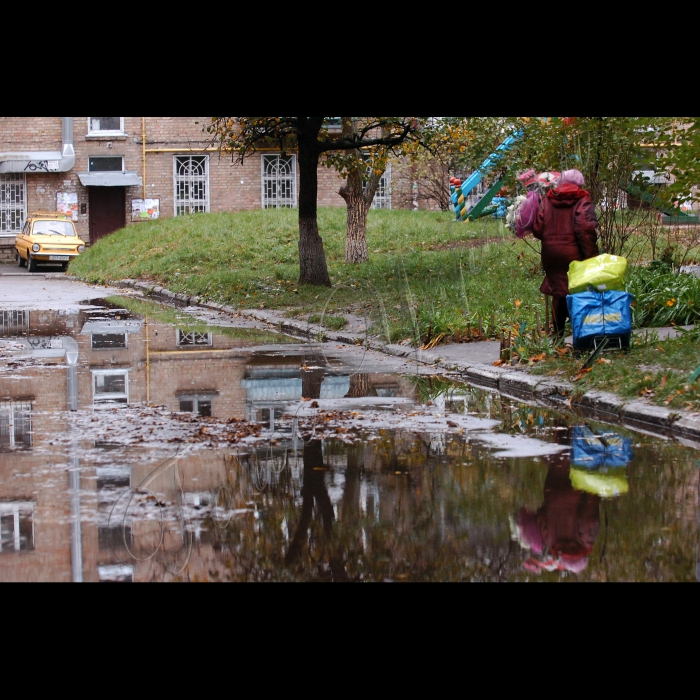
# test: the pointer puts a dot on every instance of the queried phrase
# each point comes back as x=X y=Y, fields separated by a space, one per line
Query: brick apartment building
x=109 y=172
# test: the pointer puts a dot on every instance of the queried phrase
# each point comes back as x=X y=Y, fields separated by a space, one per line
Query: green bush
x=664 y=298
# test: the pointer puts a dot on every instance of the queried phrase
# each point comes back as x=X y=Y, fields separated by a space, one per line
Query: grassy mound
x=428 y=275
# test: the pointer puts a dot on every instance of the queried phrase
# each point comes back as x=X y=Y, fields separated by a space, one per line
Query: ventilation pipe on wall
x=42 y=161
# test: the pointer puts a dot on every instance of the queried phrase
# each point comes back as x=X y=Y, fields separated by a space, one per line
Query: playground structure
x=491 y=204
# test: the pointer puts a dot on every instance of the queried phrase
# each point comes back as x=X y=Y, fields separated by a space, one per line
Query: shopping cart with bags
x=601 y=317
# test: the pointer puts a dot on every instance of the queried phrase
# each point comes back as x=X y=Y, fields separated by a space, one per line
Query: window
x=112 y=164
x=382 y=200
x=116 y=574
x=14 y=324
x=16 y=528
x=191 y=185
x=13 y=204
x=199 y=405
x=111 y=341
x=110 y=386
x=15 y=426
x=279 y=182
x=105 y=126
x=194 y=340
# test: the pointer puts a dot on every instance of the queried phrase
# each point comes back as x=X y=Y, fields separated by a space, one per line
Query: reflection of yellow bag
x=605 y=273
x=603 y=485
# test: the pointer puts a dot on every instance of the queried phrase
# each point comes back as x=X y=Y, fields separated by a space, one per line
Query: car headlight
x=36 y=248
x=81 y=248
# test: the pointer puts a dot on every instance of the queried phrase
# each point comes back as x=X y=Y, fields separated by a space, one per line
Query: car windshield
x=53 y=228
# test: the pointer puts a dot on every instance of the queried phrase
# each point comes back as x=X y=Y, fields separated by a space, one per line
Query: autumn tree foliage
x=312 y=138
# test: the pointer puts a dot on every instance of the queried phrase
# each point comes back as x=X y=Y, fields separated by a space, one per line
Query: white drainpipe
x=42 y=161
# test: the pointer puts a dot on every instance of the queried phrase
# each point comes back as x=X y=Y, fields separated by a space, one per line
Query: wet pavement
x=143 y=443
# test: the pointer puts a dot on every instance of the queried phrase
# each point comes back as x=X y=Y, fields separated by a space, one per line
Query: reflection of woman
x=566 y=224
x=564 y=530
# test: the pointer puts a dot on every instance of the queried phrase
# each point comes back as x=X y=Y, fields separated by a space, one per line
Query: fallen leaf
x=603 y=361
x=539 y=358
x=498 y=364
x=581 y=375
x=518 y=303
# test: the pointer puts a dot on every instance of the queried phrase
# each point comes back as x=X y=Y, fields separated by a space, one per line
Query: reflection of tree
x=314 y=492
x=361 y=387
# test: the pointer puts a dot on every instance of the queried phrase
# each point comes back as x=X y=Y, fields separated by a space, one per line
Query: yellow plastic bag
x=606 y=273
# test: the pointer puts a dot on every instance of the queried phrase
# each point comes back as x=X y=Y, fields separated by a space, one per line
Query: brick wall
x=233 y=187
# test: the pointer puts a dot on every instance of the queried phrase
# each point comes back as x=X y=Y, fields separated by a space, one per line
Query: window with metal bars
x=13 y=204
x=191 y=185
x=382 y=199
x=14 y=324
x=279 y=182
x=187 y=339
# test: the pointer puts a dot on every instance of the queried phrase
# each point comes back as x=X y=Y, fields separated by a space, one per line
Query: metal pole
x=76 y=526
x=148 y=363
x=143 y=139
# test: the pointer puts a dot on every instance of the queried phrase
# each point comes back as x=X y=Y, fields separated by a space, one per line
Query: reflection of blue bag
x=597 y=316
x=600 y=452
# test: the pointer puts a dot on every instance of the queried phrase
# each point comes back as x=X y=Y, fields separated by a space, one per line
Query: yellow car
x=48 y=239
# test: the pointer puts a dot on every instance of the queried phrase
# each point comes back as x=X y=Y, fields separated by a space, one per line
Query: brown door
x=107 y=211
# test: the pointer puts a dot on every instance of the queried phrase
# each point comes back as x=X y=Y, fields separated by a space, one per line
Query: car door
x=22 y=242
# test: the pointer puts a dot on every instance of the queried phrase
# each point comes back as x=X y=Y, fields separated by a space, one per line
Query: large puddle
x=139 y=444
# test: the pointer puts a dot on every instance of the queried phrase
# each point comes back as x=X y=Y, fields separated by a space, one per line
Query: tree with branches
x=312 y=138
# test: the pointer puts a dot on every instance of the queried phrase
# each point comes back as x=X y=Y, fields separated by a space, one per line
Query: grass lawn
x=652 y=370
x=428 y=275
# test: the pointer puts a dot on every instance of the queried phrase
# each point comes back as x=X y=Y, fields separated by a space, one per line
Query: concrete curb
x=544 y=391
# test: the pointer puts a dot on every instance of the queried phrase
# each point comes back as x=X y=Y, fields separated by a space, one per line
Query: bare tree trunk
x=359 y=201
x=356 y=249
x=312 y=254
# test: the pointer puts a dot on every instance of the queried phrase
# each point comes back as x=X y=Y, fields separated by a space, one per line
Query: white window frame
x=7 y=181
x=104 y=132
x=196 y=400
x=206 y=202
x=98 y=399
x=12 y=409
x=276 y=202
x=16 y=510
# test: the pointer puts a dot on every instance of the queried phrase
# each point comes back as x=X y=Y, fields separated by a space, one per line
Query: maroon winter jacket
x=566 y=224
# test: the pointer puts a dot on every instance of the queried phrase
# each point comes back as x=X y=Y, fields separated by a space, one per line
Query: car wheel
x=31 y=263
x=21 y=262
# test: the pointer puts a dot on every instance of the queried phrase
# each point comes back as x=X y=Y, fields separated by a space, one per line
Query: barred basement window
x=194 y=340
x=279 y=182
x=13 y=204
x=191 y=185
x=14 y=324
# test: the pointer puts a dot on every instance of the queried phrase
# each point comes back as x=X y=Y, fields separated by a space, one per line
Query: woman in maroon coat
x=566 y=224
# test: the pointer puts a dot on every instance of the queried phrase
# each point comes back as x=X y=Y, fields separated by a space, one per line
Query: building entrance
x=107 y=211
